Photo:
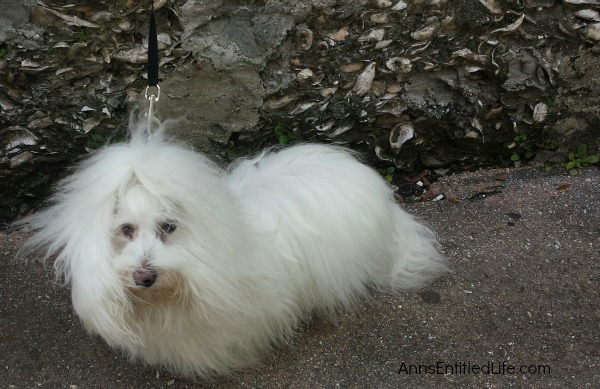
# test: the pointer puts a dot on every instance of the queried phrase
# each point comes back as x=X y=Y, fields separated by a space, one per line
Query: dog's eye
x=168 y=227
x=127 y=230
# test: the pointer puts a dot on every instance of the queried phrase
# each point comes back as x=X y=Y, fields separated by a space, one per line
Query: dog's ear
x=77 y=223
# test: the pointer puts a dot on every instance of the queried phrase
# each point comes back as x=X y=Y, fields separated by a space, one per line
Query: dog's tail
x=416 y=252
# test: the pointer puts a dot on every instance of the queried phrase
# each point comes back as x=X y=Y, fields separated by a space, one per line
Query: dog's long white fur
x=258 y=248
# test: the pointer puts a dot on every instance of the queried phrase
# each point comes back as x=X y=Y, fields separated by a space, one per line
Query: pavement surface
x=521 y=308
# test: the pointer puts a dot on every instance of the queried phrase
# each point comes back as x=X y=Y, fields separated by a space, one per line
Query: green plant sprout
x=285 y=136
x=388 y=173
x=520 y=140
x=580 y=159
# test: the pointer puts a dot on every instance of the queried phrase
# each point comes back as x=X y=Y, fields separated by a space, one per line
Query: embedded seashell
x=492 y=6
x=472 y=134
x=378 y=88
x=383 y=3
x=581 y=2
x=399 y=64
x=379 y=18
x=540 y=112
x=373 y=35
x=388 y=95
x=136 y=55
x=326 y=126
x=379 y=152
x=90 y=123
x=101 y=16
x=511 y=27
x=318 y=78
x=276 y=103
x=352 y=67
x=593 y=32
x=125 y=25
x=428 y=65
x=432 y=20
x=340 y=34
x=468 y=54
x=399 y=6
x=493 y=112
x=105 y=54
x=393 y=87
x=424 y=33
x=304 y=74
x=420 y=47
x=383 y=44
x=475 y=123
x=364 y=80
x=17 y=136
x=76 y=48
x=308 y=39
x=164 y=40
x=20 y=159
x=394 y=107
x=437 y=3
x=302 y=107
x=341 y=129
x=159 y=3
x=588 y=14
x=447 y=24
x=63 y=70
x=473 y=69
x=326 y=92
x=323 y=47
x=400 y=134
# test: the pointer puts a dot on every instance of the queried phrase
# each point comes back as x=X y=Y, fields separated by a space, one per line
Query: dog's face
x=145 y=244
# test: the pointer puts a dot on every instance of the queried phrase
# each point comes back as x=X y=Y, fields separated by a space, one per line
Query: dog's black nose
x=144 y=278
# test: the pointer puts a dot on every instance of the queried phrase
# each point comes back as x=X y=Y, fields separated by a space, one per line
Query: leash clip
x=152 y=98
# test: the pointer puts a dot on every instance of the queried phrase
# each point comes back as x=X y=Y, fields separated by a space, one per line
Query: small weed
x=577 y=160
x=524 y=147
x=82 y=37
x=284 y=136
x=388 y=173
x=3 y=53
x=97 y=140
x=520 y=138
x=580 y=159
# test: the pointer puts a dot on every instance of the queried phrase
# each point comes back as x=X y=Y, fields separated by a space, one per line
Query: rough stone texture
x=580 y=82
x=234 y=43
x=525 y=290
x=210 y=105
x=14 y=14
x=234 y=71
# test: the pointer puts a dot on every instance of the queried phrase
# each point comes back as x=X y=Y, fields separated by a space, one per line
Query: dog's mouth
x=145 y=278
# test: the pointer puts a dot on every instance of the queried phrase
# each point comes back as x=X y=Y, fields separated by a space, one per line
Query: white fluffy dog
x=182 y=264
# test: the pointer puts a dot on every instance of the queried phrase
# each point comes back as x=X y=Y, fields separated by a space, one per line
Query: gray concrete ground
x=524 y=246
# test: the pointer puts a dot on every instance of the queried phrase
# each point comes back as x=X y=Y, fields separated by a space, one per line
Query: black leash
x=152 y=90
x=152 y=51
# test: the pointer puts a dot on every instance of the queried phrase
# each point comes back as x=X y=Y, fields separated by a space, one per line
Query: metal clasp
x=152 y=98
